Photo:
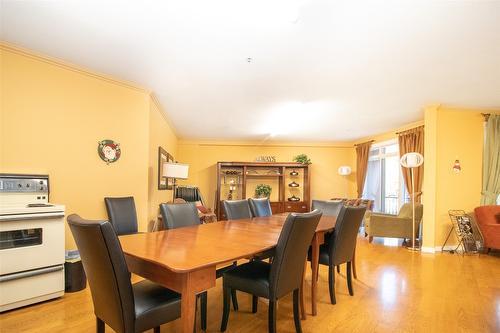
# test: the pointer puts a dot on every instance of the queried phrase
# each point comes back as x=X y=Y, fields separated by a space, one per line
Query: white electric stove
x=31 y=242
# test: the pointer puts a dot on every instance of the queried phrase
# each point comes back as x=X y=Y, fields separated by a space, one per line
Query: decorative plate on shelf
x=109 y=151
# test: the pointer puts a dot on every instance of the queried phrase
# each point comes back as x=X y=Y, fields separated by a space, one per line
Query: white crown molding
x=5 y=46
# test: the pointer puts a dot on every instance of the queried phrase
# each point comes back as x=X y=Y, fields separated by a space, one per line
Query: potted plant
x=302 y=158
x=263 y=191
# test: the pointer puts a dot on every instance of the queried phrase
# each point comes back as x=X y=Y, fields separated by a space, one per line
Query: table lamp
x=175 y=171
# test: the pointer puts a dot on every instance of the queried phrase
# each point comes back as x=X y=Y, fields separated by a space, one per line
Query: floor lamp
x=175 y=171
x=411 y=161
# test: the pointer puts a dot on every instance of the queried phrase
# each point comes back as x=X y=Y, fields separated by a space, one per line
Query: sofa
x=396 y=226
x=488 y=221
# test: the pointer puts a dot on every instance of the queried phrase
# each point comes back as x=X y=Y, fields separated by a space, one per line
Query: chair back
x=122 y=214
x=343 y=240
x=189 y=193
x=106 y=271
x=406 y=211
x=260 y=207
x=291 y=251
x=487 y=215
x=179 y=215
x=328 y=208
x=237 y=209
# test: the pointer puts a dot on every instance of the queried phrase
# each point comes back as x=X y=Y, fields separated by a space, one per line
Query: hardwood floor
x=396 y=291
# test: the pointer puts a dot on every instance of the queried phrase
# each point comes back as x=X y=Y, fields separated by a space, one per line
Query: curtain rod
x=397 y=133
x=486 y=116
x=359 y=144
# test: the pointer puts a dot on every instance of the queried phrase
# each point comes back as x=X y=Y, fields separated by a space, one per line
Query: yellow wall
x=160 y=134
x=455 y=134
x=326 y=159
x=430 y=178
x=53 y=117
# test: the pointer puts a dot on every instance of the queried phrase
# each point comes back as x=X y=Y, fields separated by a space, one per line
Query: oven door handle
x=23 y=217
x=35 y=272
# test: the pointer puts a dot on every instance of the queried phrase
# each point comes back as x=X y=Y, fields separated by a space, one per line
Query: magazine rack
x=467 y=237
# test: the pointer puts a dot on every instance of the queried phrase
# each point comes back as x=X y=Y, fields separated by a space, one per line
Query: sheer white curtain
x=373 y=186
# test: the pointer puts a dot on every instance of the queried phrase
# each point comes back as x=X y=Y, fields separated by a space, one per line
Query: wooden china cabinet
x=290 y=184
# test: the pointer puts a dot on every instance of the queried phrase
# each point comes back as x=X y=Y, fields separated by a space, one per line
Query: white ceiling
x=320 y=70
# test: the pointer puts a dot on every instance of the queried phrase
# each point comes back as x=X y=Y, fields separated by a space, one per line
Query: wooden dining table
x=185 y=259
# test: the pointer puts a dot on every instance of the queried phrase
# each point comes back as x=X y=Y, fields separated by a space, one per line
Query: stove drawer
x=31 y=244
x=31 y=287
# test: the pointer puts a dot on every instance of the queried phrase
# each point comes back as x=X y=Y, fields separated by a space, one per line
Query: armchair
x=397 y=226
x=487 y=218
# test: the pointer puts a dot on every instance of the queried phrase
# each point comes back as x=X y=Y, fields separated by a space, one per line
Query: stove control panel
x=24 y=184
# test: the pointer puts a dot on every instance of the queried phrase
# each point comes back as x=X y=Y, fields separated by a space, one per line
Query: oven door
x=31 y=241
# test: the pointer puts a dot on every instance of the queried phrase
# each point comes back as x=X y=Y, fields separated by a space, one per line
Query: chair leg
x=225 y=309
x=203 y=315
x=296 y=314
x=370 y=239
x=331 y=284
x=235 y=299
x=255 y=302
x=272 y=316
x=99 y=325
x=349 y=278
x=354 y=265
x=156 y=329
x=338 y=269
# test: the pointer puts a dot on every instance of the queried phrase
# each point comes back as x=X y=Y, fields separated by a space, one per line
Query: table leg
x=314 y=266
x=301 y=294
x=188 y=306
x=189 y=290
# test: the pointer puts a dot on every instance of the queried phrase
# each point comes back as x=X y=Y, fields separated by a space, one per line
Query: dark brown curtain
x=412 y=141
x=362 y=152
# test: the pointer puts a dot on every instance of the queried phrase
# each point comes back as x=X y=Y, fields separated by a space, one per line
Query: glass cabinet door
x=231 y=183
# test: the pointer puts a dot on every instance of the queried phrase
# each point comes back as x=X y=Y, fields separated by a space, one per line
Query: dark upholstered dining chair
x=260 y=207
x=122 y=214
x=184 y=215
x=332 y=208
x=178 y=215
x=124 y=306
x=340 y=247
x=277 y=279
x=237 y=209
x=328 y=207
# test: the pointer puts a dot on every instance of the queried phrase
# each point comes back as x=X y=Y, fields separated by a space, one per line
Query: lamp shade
x=175 y=170
x=411 y=160
x=344 y=170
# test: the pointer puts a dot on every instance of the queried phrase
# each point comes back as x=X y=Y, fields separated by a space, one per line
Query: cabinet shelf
x=277 y=175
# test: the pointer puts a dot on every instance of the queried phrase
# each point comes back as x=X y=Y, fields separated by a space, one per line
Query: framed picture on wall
x=164 y=157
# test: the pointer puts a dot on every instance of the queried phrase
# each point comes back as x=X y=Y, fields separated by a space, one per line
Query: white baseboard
x=426 y=249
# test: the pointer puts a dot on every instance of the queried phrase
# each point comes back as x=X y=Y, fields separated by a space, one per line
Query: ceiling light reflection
x=293 y=117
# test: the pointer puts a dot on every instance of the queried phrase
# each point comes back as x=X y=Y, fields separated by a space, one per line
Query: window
x=384 y=180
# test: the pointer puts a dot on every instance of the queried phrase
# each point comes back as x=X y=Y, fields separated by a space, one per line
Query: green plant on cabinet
x=263 y=191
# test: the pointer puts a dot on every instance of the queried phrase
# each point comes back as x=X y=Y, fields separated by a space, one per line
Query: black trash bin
x=74 y=275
